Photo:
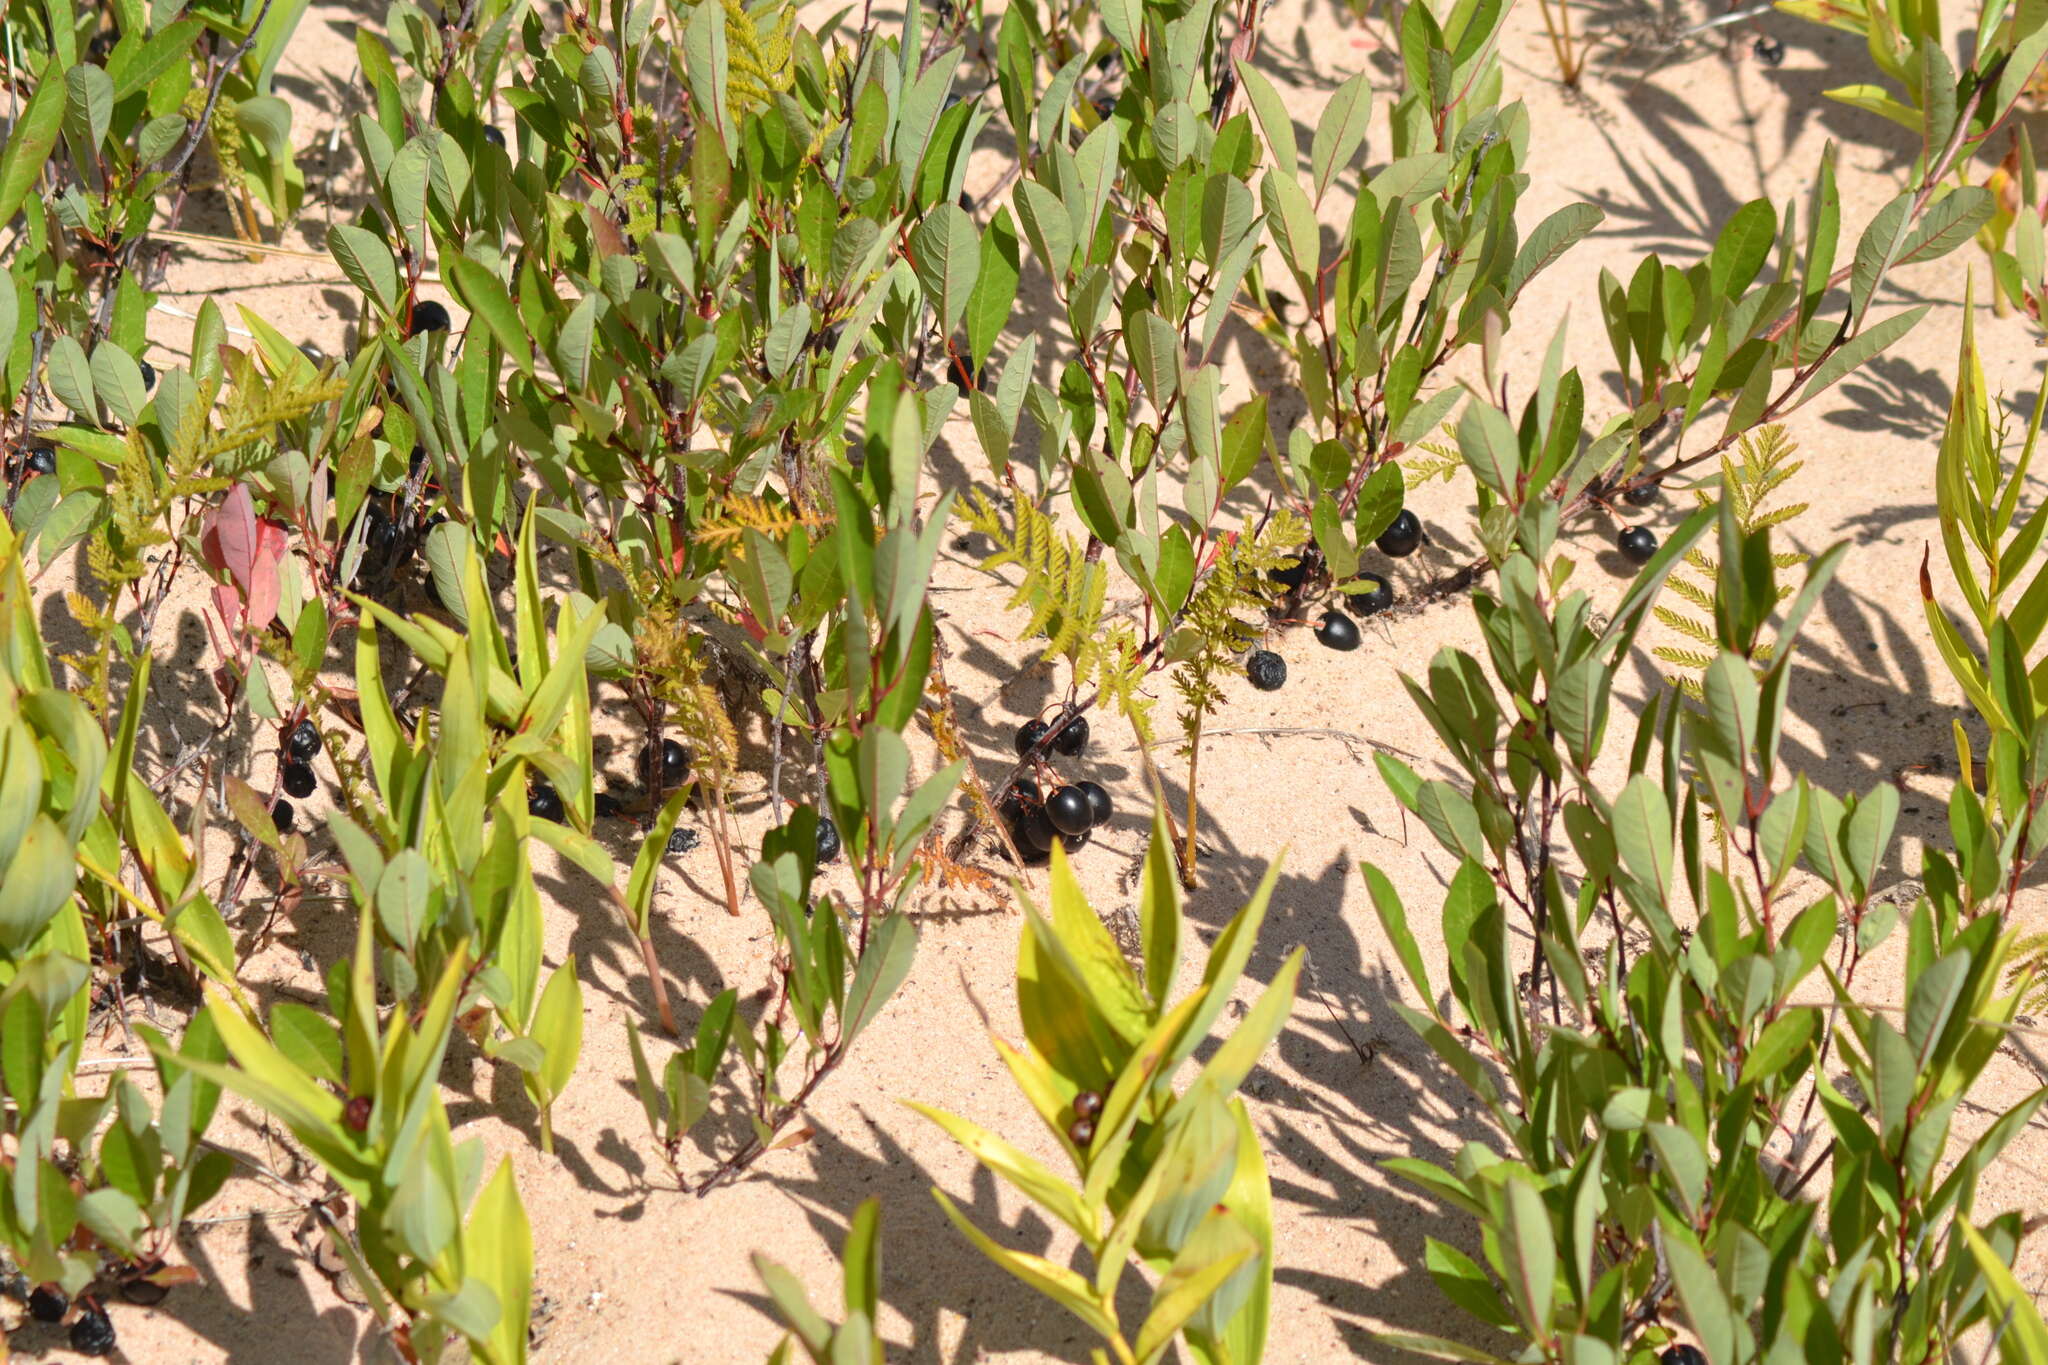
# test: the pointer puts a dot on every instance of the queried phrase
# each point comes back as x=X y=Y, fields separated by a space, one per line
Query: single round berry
x=1370 y=596
x=681 y=841
x=93 y=1333
x=1338 y=632
x=427 y=316
x=543 y=802
x=148 y=374
x=1099 y=809
x=305 y=741
x=1637 y=544
x=1642 y=494
x=1020 y=802
x=1068 y=810
x=828 y=839
x=1769 y=51
x=493 y=136
x=1087 y=1104
x=1039 y=830
x=42 y=460
x=1682 y=1354
x=1030 y=733
x=608 y=806
x=281 y=816
x=299 y=779
x=1074 y=843
x=675 y=763
x=356 y=1113
x=1266 y=669
x=47 y=1303
x=1073 y=736
x=1403 y=537
x=1081 y=1132
x=1294 y=575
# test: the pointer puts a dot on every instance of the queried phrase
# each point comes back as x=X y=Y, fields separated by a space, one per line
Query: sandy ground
x=630 y=1270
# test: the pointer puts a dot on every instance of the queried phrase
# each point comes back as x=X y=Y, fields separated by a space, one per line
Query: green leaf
x=946 y=253
x=881 y=969
x=1530 y=1253
x=34 y=136
x=1868 y=343
x=1055 y=1281
x=1340 y=132
x=1057 y=1197
x=485 y=297
x=368 y=263
x=498 y=1249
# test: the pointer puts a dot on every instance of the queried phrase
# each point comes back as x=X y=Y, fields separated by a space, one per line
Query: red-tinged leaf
x=235 y=525
x=270 y=540
x=228 y=603
x=263 y=592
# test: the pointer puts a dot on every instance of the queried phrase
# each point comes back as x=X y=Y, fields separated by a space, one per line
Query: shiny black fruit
x=1682 y=1354
x=1081 y=1132
x=1266 y=669
x=299 y=779
x=1087 y=1104
x=675 y=763
x=543 y=802
x=42 y=460
x=1403 y=537
x=427 y=316
x=93 y=1333
x=1769 y=51
x=1637 y=544
x=281 y=816
x=1642 y=494
x=305 y=741
x=828 y=839
x=1338 y=632
x=608 y=806
x=1099 y=809
x=1030 y=733
x=1294 y=575
x=1068 y=810
x=1039 y=831
x=148 y=374
x=493 y=136
x=1022 y=800
x=1074 y=843
x=682 y=840
x=46 y=1303
x=1370 y=596
x=1073 y=736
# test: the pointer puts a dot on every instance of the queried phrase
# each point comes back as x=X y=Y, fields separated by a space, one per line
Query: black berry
x=608 y=805
x=1769 y=51
x=544 y=802
x=1081 y=1132
x=299 y=779
x=1403 y=537
x=93 y=1333
x=1637 y=544
x=1294 y=575
x=1030 y=733
x=305 y=740
x=1370 y=596
x=1266 y=669
x=1642 y=494
x=681 y=841
x=1022 y=799
x=1682 y=1354
x=1087 y=1104
x=46 y=1303
x=148 y=374
x=1074 y=843
x=281 y=816
x=1099 y=809
x=1069 y=811
x=675 y=763
x=1039 y=830
x=828 y=839
x=1073 y=736
x=42 y=460
x=427 y=316
x=493 y=136
x=1338 y=632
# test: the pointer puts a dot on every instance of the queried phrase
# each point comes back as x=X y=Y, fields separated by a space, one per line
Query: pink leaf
x=228 y=603
x=235 y=525
x=263 y=590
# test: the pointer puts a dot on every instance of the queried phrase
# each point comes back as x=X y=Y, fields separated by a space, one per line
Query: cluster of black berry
x=1638 y=543
x=301 y=743
x=1037 y=819
x=23 y=465
x=1367 y=595
x=92 y=1331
